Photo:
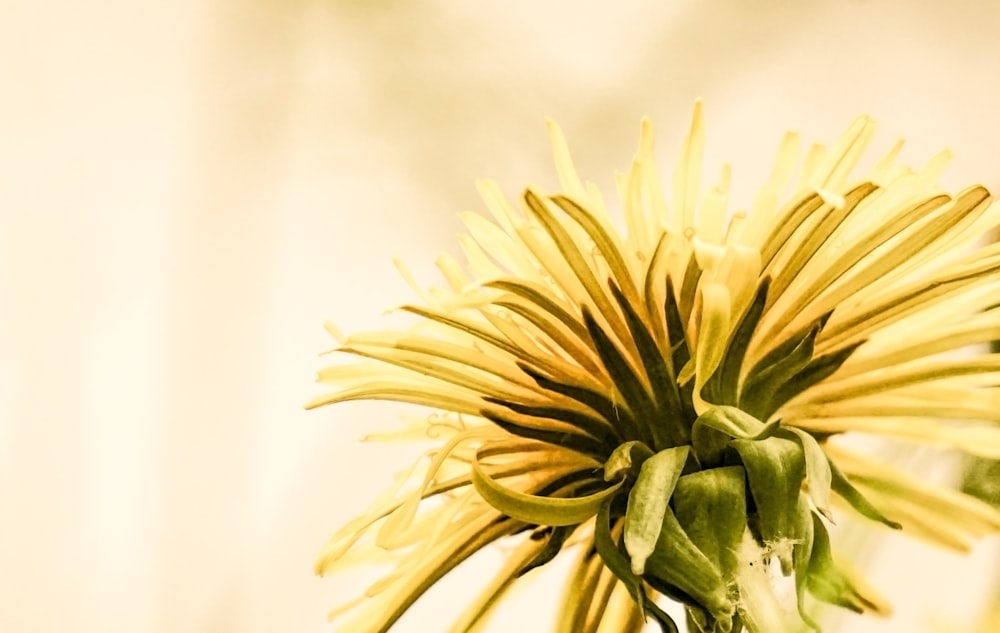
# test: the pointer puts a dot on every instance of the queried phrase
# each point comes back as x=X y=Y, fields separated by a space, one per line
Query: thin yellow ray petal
x=687 y=174
x=452 y=271
x=825 y=222
x=466 y=539
x=480 y=265
x=476 y=615
x=933 y=400
x=883 y=171
x=811 y=176
x=498 y=206
x=654 y=295
x=597 y=613
x=397 y=522
x=639 y=234
x=712 y=337
x=765 y=204
x=569 y=180
x=826 y=282
x=845 y=154
x=913 y=373
x=740 y=271
x=608 y=244
x=922 y=343
x=334 y=331
x=411 y=282
x=983 y=441
x=578 y=593
x=898 y=303
x=577 y=348
x=786 y=223
x=581 y=271
x=712 y=212
x=654 y=200
x=424 y=364
x=500 y=246
x=424 y=393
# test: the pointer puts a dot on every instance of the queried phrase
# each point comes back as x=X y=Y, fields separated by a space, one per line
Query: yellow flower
x=663 y=402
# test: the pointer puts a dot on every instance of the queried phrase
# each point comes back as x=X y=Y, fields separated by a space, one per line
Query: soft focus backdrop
x=189 y=189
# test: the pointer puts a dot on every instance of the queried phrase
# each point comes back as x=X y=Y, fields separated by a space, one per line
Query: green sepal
x=713 y=430
x=619 y=565
x=606 y=245
x=554 y=537
x=775 y=468
x=679 y=351
x=536 y=509
x=591 y=425
x=677 y=561
x=818 y=473
x=640 y=402
x=688 y=291
x=667 y=426
x=604 y=406
x=803 y=555
x=710 y=506
x=757 y=395
x=723 y=386
x=818 y=369
x=647 y=503
x=843 y=487
x=698 y=621
x=583 y=444
x=625 y=459
x=827 y=582
x=538 y=295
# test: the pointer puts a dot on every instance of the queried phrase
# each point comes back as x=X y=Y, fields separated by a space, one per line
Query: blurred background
x=188 y=190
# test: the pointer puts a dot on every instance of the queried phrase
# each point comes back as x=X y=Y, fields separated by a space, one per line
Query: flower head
x=663 y=402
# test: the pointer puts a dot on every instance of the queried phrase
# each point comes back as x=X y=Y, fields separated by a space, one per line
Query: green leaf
x=710 y=506
x=775 y=468
x=647 y=503
x=538 y=510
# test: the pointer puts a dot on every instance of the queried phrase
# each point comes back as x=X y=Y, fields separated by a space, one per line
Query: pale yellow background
x=189 y=189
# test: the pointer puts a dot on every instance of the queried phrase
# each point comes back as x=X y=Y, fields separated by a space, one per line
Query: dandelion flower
x=658 y=389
